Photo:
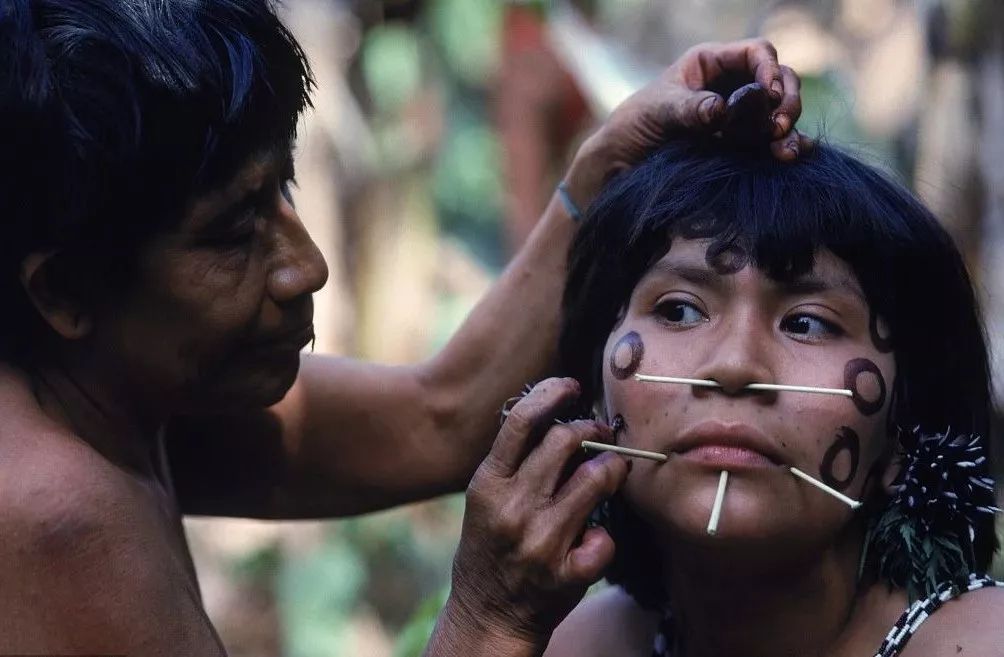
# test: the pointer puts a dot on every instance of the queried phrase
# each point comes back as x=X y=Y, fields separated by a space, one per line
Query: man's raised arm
x=352 y=437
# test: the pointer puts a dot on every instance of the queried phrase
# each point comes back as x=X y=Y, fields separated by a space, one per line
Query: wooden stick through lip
x=716 y=510
x=854 y=504
x=626 y=451
x=708 y=383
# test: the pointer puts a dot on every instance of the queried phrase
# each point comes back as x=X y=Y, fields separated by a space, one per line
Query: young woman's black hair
x=781 y=214
x=115 y=113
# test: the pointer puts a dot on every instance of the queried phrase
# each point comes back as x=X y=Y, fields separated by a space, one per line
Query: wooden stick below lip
x=708 y=383
x=716 y=510
x=854 y=504
x=626 y=451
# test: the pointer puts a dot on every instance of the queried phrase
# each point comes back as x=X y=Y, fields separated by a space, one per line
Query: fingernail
x=777 y=88
x=782 y=122
x=706 y=109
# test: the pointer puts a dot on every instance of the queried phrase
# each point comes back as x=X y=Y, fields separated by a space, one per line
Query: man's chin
x=254 y=390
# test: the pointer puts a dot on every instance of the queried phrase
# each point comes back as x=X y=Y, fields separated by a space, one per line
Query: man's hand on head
x=684 y=99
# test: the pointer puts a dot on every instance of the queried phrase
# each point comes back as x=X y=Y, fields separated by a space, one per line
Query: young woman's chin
x=759 y=510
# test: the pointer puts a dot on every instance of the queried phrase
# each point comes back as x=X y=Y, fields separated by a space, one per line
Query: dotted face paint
x=727 y=259
x=847 y=441
x=625 y=359
x=617 y=424
x=882 y=342
x=857 y=374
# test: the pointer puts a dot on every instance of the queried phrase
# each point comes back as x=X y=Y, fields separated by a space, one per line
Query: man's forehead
x=247 y=178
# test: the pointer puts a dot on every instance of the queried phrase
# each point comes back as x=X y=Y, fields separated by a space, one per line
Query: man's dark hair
x=910 y=271
x=114 y=114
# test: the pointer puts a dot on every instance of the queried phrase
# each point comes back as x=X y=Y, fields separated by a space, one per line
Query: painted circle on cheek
x=857 y=374
x=847 y=441
x=726 y=259
x=626 y=357
x=875 y=326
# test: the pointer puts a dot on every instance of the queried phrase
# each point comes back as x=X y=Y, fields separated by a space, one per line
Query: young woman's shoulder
x=607 y=623
x=967 y=625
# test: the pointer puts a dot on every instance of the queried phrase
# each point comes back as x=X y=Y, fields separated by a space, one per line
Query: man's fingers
x=547 y=463
x=586 y=562
x=790 y=108
x=754 y=57
x=693 y=110
x=593 y=481
x=791 y=146
x=538 y=408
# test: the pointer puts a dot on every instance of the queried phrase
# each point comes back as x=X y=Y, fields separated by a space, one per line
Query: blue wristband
x=573 y=210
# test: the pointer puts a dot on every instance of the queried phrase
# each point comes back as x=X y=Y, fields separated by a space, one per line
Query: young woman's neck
x=101 y=412
x=732 y=605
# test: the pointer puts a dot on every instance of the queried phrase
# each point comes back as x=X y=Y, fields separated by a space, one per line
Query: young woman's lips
x=726 y=445
x=725 y=457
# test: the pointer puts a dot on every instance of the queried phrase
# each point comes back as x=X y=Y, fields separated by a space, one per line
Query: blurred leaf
x=391 y=66
x=467 y=184
x=415 y=635
x=316 y=595
x=468 y=32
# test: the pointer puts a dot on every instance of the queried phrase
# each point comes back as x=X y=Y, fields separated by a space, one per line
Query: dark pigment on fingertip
x=847 y=441
x=617 y=425
x=625 y=359
x=852 y=374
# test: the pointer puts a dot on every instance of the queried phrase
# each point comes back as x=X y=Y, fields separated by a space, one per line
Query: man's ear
x=56 y=295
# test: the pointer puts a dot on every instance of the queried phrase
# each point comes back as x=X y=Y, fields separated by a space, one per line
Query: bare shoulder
x=969 y=625
x=607 y=623
x=84 y=567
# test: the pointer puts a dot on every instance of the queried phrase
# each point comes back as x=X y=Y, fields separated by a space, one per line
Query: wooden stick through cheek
x=625 y=451
x=708 y=383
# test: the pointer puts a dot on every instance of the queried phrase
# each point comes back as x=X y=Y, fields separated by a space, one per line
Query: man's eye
x=240 y=232
x=680 y=312
x=809 y=326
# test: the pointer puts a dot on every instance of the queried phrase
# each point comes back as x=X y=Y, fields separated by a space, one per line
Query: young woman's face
x=221 y=307
x=720 y=318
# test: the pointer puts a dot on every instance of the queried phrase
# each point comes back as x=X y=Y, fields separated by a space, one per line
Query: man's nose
x=739 y=355
x=298 y=268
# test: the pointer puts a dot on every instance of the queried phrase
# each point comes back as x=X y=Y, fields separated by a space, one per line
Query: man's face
x=700 y=317
x=221 y=305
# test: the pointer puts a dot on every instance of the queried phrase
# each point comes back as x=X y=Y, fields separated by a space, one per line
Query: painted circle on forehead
x=875 y=325
x=625 y=359
x=726 y=259
x=853 y=373
x=847 y=441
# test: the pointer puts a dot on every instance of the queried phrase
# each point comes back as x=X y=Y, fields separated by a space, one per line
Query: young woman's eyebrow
x=817 y=284
x=696 y=274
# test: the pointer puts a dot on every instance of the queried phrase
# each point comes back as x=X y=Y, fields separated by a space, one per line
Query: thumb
x=586 y=562
x=698 y=110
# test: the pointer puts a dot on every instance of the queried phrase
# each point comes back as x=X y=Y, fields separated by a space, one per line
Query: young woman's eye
x=809 y=326
x=680 y=312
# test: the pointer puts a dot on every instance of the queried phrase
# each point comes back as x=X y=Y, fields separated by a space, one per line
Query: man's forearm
x=510 y=338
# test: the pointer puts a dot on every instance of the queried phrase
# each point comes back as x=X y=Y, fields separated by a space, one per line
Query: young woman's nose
x=298 y=268
x=738 y=357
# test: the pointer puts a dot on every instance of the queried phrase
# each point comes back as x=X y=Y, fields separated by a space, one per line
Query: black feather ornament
x=924 y=538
